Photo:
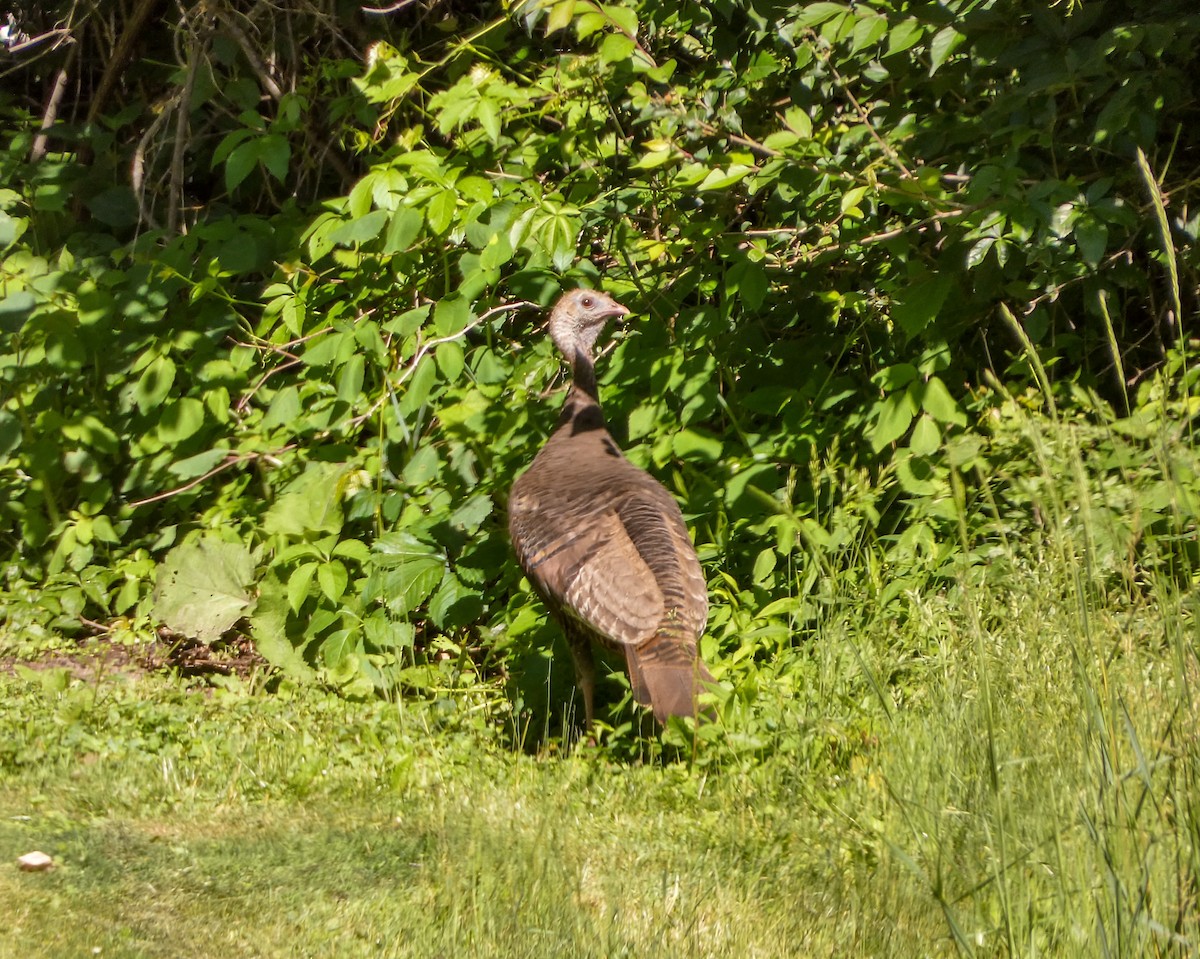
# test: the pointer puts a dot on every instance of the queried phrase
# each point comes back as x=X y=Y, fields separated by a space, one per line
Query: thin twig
x=230 y=462
x=252 y=57
x=249 y=394
x=487 y=315
x=120 y=58
x=865 y=117
x=426 y=347
x=395 y=7
x=137 y=166
x=52 y=104
x=182 y=120
x=920 y=226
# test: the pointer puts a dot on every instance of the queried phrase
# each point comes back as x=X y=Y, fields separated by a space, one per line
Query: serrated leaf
x=333 y=579
x=454 y=605
x=311 y=503
x=203 y=588
x=298 y=585
x=404 y=226
x=403 y=584
x=471 y=514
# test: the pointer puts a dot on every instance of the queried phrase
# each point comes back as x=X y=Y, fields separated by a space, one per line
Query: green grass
x=1034 y=793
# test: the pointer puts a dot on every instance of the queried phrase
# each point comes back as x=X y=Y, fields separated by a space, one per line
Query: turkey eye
x=587 y=301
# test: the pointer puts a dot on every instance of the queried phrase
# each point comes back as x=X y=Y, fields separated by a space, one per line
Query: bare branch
x=232 y=461
x=52 y=104
x=394 y=8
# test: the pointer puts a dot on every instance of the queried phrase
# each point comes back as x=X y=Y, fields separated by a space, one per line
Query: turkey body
x=606 y=547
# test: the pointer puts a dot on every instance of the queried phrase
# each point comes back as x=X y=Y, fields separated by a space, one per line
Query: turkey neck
x=582 y=408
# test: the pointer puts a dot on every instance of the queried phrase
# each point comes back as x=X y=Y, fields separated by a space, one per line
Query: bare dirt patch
x=94 y=656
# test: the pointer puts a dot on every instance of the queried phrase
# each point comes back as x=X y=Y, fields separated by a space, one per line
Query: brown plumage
x=604 y=544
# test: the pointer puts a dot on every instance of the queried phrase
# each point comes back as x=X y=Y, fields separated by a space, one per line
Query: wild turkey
x=604 y=544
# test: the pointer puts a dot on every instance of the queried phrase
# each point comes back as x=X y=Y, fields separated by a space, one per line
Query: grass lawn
x=1005 y=770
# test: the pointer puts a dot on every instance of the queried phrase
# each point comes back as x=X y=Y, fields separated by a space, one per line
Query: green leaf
x=895 y=415
x=350 y=379
x=944 y=43
x=904 y=35
x=285 y=409
x=275 y=154
x=240 y=164
x=180 y=420
x=451 y=314
x=938 y=403
x=926 y=437
x=722 y=179
x=405 y=571
x=360 y=230
x=441 y=210
x=199 y=464
x=917 y=475
x=419 y=386
x=203 y=588
x=155 y=384
x=799 y=122
x=764 y=566
x=333 y=578
x=916 y=308
x=560 y=16
x=298 y=585
x=454 y=605
x=1092 y=240
x=10 y=432
x=423 y=466
x=814 y=14
x=616 y=48
x=749 y=280
x=868 y=30
x=690 y=445
x=12 y=228
x=471 y=514
x=404 y=226
x=450 y=361
x=311 y=503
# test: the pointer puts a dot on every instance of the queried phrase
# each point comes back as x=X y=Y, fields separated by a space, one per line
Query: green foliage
x=858 y=233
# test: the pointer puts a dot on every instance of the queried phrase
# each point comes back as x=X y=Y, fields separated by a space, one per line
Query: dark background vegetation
x=253 y=349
